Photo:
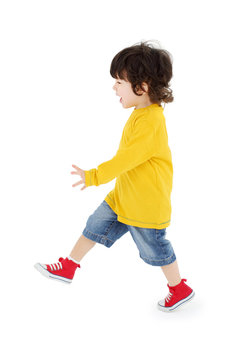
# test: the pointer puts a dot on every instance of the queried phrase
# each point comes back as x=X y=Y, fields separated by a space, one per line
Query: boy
x=140 y=202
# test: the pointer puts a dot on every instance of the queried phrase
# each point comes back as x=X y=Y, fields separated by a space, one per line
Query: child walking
x=140 y=201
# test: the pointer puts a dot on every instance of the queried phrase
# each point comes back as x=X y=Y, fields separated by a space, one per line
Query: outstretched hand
x=82 y=175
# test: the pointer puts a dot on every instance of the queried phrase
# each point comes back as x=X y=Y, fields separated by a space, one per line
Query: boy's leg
x=171 y=272
x=179 y=292
x=64 y=269
x=82 y=246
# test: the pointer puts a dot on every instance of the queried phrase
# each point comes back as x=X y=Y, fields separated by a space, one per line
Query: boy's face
x=127 y=97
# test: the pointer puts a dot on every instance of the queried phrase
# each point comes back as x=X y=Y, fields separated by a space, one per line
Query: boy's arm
x=140 y=147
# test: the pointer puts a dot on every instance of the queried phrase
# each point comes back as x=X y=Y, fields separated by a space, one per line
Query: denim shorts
x=104 y=228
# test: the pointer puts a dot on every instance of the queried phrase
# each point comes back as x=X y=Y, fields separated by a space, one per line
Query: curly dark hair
x=142 y=62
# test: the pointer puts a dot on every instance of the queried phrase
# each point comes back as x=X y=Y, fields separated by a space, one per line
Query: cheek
x=126 y=92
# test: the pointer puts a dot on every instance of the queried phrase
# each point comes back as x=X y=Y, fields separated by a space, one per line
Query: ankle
x=175 y=283
x=75 y=261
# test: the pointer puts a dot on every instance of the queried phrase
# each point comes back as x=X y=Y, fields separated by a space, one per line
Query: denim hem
x=164 y=262
x=101 y=239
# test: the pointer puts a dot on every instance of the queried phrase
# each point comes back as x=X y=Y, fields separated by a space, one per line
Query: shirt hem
x=137 y=223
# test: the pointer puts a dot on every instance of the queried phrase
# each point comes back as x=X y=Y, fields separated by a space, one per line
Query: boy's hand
x=82 y=174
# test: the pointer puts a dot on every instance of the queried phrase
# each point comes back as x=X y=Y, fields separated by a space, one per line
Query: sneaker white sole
x=177 y=305
x=49 y=275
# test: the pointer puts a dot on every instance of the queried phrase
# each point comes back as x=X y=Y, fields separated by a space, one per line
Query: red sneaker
x=63 y=271
x=177 y=296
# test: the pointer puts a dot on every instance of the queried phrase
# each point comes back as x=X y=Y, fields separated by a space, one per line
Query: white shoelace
x=56 y=266
x=168 y=298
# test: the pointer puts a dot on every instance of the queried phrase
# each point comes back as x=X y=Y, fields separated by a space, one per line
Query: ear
x=144 y=86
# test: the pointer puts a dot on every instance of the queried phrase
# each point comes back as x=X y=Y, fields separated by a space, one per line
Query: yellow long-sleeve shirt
x=143 y=170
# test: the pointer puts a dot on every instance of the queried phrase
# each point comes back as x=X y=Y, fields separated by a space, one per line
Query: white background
x=58 y=108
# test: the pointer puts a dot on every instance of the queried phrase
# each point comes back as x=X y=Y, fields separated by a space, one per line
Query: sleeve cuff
x=88 y=181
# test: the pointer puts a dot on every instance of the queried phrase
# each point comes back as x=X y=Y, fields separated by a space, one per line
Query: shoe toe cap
x=39 y=265
x=161 y=302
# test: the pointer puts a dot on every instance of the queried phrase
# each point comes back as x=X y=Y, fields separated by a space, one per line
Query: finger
x=76 y=167
x=78 y=183
x=74 y=172
x=83 y=188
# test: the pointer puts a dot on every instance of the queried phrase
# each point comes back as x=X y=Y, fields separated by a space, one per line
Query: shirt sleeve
x=138 y=149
